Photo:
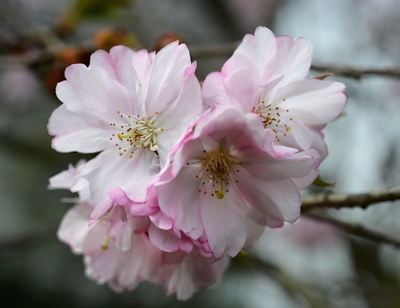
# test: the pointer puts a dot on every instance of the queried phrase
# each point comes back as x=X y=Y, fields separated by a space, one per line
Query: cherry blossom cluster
x=187 y=176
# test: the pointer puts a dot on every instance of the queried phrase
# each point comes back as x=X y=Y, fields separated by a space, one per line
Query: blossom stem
x=337 y=201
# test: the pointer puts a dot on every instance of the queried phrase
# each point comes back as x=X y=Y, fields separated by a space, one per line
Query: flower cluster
x=186 y=177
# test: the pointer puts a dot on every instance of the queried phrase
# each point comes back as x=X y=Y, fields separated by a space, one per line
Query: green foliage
x=96 y=8
x=322 y=183
x=81 y=9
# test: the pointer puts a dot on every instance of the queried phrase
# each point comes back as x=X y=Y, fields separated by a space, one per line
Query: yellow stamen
x=220 y=193
x=106 y=242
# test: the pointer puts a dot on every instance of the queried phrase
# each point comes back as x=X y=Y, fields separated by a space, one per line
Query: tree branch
x=356 y=73
x=39 y=56
x=207 y=50
x=227 y=49
x=358 y=230
x=356 y=200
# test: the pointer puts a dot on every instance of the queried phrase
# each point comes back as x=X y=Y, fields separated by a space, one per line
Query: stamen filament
x=106 y=242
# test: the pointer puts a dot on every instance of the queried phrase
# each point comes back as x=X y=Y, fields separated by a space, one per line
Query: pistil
x=138 y=133
x=217 y=170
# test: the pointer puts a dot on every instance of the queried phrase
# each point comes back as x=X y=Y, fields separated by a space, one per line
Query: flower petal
x=75 y=232
x=279 y=201
x=315 y=102
x=92 y=92
x=109 y=171
x=185 y=109
x=77 y=133
x=258 y=51
x=295 y=58
x=180 y=202
x=167 y=73
x=224 y=222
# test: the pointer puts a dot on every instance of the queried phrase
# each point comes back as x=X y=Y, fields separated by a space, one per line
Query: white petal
x=313 y=102
x=93 y=93
x=225 y=224
x=109 y=170
x=74 y=132
x=166 y=77
x=295 y=58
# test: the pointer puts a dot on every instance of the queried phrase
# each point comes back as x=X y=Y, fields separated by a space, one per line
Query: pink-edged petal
x=259 y=51
x=239 y=88
x=266 y=92
x=213 y=90
x=180 y=201
x=181 y=283
x=163 y=239
x=142 y=63
x=122 y=60
x=244 y=130
x=168 y=70
x=123 y=227
x=299 y=136
x=315 y=102
x=282 y=151
x=142 y=209
x=119 y=197
x=224 y=222
x=92 y=92
x=161 y=221
x=78 y=133
x=61 y=180
x=109 y=171
x=100 y=210
x=263 y=166
x=102 y=59
x=183 y=154
x=182 y=112
x=75 y=231
x=66 y=179
x=188 y=275
x=305 y=181
x=318 y=142
x=125 y=269
x=295 y=58
x=278 y=200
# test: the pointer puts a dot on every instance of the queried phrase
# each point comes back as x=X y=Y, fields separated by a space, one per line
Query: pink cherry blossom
x=266 y=76
x=226 y=180
x=191 y=272
x=70 y=179
x=131 y=107
x=175 y=189
x=113 y=252
x=118 y=252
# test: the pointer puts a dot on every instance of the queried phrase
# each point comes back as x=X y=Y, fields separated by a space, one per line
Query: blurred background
x=310 y=264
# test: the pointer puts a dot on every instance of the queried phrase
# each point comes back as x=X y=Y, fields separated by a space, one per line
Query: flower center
x=274 y=117
x=137 y=133
x=217 y=171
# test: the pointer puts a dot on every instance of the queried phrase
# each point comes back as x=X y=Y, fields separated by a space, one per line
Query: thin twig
x=355 y=200
x=227 y=49
x=356 y=73
x=207 y=50
x=40 y=56
x=358 y=230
